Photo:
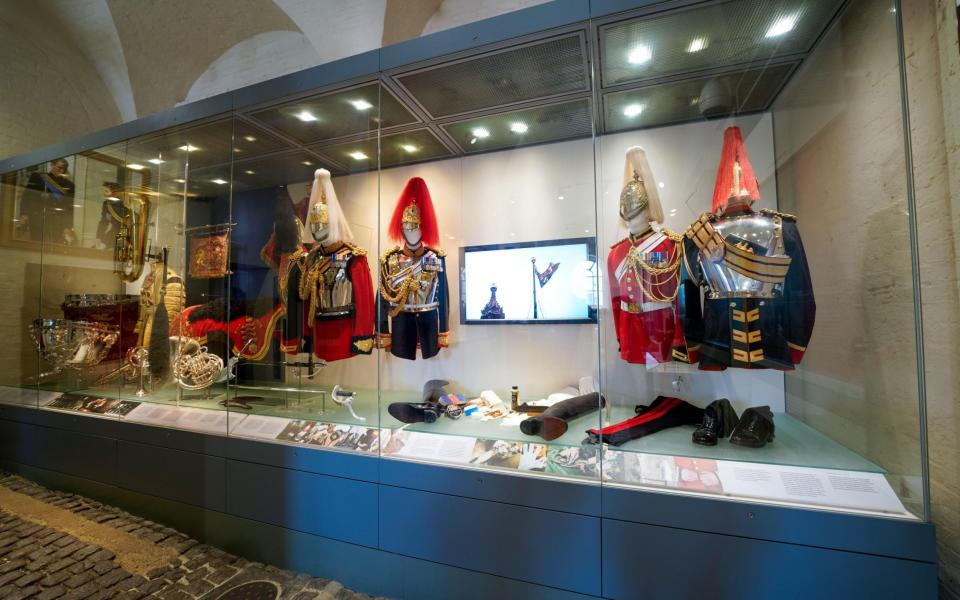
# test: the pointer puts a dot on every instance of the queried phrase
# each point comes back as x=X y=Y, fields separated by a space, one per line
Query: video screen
x=551 y=281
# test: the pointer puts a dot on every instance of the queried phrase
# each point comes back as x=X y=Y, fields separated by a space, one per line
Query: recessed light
x=480 y=132
x=249 y=172
x=156 y=161
x=188 y=148
x=361 y=104
x=249 y=138
x=307 y=163
x=179 y=180
x=560 y=197
x=238 y=150
x=632 y=110
x=697 y=44
x=409 y=148
x=661 y=185
x=357 y=155
x=135 y=167
x=518 y=127
x=218 y=181
x=639 y=55
x=306 y=116
x=781 y=26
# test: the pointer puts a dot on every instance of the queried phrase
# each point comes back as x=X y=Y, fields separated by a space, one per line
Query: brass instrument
x=130 y=246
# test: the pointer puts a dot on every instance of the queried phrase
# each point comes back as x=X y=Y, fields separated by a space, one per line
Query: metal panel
x=87 y=456
x=538 y=492
x=333 y=507
x=172 y=474
x=18 y=441
x=539 y=546
x=662 y=562
x=898 y=538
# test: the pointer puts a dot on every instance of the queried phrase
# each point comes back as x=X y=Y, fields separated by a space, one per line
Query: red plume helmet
x=415 y=199
x=736 y=181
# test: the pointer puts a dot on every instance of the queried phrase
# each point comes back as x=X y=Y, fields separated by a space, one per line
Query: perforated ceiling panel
x=500 y=131
x=540 y=70
x=395 y=149
x=692 y=99
x=710 y=36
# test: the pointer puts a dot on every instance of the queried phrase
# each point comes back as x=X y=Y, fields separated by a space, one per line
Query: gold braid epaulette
x=773 y=213
x=294 y=260
x=675 y=237
x=355 y=250
x=385 y=255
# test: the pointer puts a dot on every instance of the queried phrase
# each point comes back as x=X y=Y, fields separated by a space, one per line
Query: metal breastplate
x=755 y=235
x=417 y=278
x=334 y=289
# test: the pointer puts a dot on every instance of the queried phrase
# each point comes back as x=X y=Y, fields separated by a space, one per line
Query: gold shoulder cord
x=400 y=295
x=652 y=289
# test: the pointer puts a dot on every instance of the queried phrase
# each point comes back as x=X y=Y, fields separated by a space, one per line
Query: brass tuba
x=130 y=246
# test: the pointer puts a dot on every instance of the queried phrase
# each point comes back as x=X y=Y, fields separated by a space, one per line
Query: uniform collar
x=637 y=237
x=414 y=253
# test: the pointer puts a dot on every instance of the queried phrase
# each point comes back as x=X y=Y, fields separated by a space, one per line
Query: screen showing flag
x=551 y=281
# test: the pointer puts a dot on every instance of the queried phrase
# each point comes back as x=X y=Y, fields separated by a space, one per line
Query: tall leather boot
x=553 y=422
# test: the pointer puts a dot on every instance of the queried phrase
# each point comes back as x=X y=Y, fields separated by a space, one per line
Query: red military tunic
x=646 y=313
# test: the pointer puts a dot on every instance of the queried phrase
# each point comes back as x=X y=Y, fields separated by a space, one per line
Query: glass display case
x=665 y=249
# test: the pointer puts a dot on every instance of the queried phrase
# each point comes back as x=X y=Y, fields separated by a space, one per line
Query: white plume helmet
x=339 y=229
x=636 y=160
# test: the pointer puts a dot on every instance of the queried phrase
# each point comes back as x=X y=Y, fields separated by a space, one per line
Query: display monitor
x=551 y=281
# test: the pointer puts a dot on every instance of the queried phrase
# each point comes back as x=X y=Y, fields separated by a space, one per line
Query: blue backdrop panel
x=89 y=456
x=304 y=501
x=172 y=474
x=540 y=546
x=663 y=562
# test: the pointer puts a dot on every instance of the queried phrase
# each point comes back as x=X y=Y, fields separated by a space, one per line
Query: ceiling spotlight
x=218 y=181
x=409 y=148
x=179 y=180
x=361 y=105
x=306 y=116
x=188 y=148
x=518 y=127
x=249 y=172
x=249 y=138
x=357 y=155
x=632 y=110
x=480 y=133
x=135 y=167
x=639 y=55
x=156 y=161
x=307 y=163
x=697 y=44
x=661 y=185
x=781 y=26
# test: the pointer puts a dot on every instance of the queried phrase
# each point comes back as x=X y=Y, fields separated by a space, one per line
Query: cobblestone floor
x=44 y=562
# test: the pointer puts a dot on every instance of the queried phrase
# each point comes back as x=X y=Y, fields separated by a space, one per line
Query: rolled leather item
x=553 y=422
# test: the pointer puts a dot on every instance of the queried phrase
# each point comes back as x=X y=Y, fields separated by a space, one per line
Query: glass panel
x=305 y=226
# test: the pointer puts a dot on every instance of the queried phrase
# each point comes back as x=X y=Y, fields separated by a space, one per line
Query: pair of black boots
x=753 y=429
x=427 y=411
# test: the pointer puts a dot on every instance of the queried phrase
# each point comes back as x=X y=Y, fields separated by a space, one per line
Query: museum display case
x=572 y=256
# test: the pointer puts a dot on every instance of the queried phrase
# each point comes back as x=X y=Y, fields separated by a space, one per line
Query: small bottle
x=515 y=398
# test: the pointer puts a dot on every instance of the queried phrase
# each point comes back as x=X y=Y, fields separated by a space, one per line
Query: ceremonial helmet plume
x=415 y=208
x=325 y=207
x=639 y=188
x=736 y=180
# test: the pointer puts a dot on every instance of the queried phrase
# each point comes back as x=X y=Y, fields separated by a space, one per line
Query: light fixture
x=639 y=54
x=632 y=110
x=135 y=167
x=249 y=138
x=249 y=172
x=218 y=181
x=188 y=148
x=307 y=163
x=518 y=127
x=357 y=155
x=361 y=105
x=306 y=116
x=409 y=148
x=156 y=161
x=697 y=44
x=179 y=180
x=560 y=197
x=781 y=26
x=661 y=185
x=238 y=150
x=480 y=132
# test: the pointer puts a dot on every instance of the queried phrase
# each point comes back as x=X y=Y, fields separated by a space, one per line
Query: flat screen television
x=549 y=282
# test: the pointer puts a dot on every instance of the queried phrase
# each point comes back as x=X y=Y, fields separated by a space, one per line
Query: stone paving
x=44 y=563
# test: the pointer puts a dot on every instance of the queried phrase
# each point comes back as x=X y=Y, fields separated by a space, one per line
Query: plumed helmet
x=415 y=209
x=325 y=220
x=639 y=188
x=736 y=180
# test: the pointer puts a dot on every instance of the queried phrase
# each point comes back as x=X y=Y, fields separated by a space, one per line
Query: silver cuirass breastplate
x=336 y=290
x=424 y=270
x=757 y=234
